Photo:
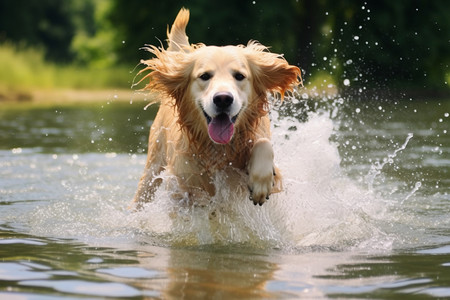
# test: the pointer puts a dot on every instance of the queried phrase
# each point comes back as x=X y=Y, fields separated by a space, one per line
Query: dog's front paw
x=260 y=185
x=261 y=172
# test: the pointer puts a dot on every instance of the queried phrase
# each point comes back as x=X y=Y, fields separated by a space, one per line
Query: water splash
x=377 y=167
x=320 y=206
x=415 y=189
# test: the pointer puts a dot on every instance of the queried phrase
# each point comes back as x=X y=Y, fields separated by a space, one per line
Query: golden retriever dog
x=213 y=115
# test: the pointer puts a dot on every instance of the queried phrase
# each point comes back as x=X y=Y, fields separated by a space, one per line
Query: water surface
x=364 y=212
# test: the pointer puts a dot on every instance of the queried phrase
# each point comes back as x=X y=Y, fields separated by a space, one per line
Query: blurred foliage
x=93 y=43
x=26 y=69
x=370 y=43
x=43 y=23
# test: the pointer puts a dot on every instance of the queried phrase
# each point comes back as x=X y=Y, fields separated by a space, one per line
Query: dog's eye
x=205 y=76
x=239 y=76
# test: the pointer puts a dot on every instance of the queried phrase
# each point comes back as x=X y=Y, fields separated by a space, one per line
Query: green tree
x=370 y=43
x=43 y=23
x=95 y=35
x=212 y=22
x=388 y=42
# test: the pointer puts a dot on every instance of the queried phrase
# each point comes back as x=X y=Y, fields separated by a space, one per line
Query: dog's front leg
x=147 y=185
x=263 y=177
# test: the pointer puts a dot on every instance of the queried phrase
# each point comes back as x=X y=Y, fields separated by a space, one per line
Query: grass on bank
x=25 y=75
x=24 y=71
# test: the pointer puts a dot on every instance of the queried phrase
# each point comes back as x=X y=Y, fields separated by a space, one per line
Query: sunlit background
x=350 y=45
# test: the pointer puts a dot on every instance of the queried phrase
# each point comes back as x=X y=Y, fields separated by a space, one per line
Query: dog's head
x=217 y=88
x=216 y=85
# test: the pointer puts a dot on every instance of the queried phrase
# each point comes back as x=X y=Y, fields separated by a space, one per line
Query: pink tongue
x=221 y=129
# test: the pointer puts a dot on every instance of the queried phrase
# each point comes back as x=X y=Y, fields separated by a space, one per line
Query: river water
x=364 y=212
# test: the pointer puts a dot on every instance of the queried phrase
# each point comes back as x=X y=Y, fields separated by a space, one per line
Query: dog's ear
x=169 y=72
x=271 y=71
x=176 y=37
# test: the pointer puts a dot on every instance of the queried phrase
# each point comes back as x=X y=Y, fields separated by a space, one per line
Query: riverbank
x=69 y=95
x=73 y=95
x=120 y=94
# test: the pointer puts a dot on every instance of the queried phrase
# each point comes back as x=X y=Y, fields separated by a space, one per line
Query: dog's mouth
x=220 y=127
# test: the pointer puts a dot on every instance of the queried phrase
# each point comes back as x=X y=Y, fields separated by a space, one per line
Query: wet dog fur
x=213 y=114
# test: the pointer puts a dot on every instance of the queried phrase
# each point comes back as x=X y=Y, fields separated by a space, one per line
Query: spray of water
x=320 y=206
x=377 y=167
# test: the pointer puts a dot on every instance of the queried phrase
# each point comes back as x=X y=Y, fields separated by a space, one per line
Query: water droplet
x=346 y=82
x=357 y=110
x=111 y=155
x=356 y=37
x=16 y=150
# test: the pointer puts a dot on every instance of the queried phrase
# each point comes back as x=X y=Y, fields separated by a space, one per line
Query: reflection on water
x=55 y=267
x=364 y=213
x=81 y=128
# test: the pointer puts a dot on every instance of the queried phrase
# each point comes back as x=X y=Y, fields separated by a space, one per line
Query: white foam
x=319 y=207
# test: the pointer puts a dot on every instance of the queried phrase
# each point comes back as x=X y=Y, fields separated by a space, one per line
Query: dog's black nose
x=223 y=100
